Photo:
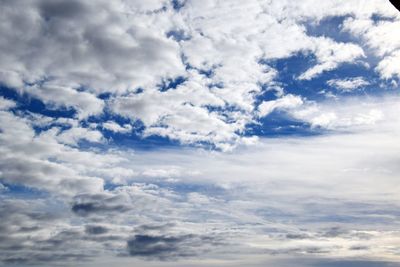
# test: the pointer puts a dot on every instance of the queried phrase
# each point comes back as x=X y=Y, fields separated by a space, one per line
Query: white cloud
x=42 y=162
x=330 y=55
x=294 y=197
x=251 y=210
x=84 y=43
x=184 y=113
x=66 y=54
x=284 y=103
x=349 y=115
x=6 y=104
x=86 y=104
x=389 y=67
x=74 y=135
x=117 y=128
x=382 y=38
x=348 y=84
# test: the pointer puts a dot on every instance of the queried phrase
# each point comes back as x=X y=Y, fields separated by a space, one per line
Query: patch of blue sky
x=268 y=93
x=106 y=115
x=26 y=102
x=134 y=139
x=178 y=35
x=207 y=72
x=110 y=186
x=138 y=142
x=42 y=128
x=279 y=124
x=21 y=191
x=178 y=4
x=378 y=18
x=130 y=140
x=168 y=84
x=105 y=96
x=330 y=27
x=291 y=68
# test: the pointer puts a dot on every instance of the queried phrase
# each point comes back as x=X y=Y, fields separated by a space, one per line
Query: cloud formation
x=137 y=132
x=70 y=55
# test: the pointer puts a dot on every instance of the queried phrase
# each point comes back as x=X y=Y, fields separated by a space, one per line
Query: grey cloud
x=359 y=263
x=62 y=9
x=297 y=236
x=134 y=201
x=169 y=247
x=32 y=232
x=39 y=161
x=96 y=45
x=343 y=232
x=44 y=175
x=335 y=232
x=96 y=229
x=85 y=205
x=359 y=247
x=24 y=239
x=156 y=246
x=38 y=259
x=68 y=52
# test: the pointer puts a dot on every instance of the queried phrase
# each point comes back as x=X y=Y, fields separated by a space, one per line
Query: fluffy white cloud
x=117 y=128
x=389 y=67
x=382 y=38
x=85 y=104
x=66 y=54
x=42 y=161
x=104 y=45
x=348 y=84
x=330 y=55
x=284 y=103
x=197 y=75
x=6 y=104
x=352 y=115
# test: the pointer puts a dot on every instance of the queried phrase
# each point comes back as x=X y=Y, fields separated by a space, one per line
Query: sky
x=192 y=133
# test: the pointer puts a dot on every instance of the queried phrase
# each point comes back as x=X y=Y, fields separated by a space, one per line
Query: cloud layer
x=137 y=133
x=177 y=70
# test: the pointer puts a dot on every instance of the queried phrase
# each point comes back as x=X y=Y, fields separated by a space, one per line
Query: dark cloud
x=297 y=236
x=86 y=205
x=62 y=9
x=156 y=246
x=96 y=229
x=334 y=232
x=85 y=209
x=25 y=225
x=169 y=247
x=359 y=248
x=44 y=258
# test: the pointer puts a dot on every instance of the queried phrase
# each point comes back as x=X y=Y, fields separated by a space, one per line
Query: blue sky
x=199 y=133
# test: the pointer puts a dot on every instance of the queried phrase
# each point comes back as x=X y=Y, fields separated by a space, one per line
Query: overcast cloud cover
x=199 y=133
